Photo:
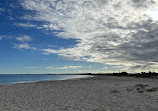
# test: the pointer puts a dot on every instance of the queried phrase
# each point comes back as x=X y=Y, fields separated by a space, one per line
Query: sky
x=78 y=36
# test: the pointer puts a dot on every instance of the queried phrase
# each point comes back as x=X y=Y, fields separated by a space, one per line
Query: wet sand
x=98 y=93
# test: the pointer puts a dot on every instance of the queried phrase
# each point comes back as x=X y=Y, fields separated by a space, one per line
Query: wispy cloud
x=31 y=67
x=2 y=9
x=24 y=38
x=49 y=51
x=45 y=59
x=1 y=37
x=111 y=32
x=23 y=46
x=27 y=25
x=65 y=67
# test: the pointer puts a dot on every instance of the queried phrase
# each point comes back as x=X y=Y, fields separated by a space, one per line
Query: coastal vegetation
x=152 y=75
x=143 y=88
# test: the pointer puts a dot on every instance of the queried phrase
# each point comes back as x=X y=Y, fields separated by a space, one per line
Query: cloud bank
x=115 y=32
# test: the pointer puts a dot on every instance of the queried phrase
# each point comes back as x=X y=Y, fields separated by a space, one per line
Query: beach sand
x=98 y=93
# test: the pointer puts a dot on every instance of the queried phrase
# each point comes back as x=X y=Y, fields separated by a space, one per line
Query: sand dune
x=99 y=93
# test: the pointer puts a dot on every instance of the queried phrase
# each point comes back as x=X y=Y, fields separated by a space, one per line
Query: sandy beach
x=98 y=93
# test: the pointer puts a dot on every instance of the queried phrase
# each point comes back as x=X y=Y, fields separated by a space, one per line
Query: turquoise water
x=23 y=78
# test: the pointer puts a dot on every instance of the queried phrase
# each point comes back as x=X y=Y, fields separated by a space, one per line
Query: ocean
x=25 y=78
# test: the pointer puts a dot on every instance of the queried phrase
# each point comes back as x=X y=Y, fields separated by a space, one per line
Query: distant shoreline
x=8 y=79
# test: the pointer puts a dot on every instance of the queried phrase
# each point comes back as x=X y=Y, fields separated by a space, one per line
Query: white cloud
x=23 y=46
x=31 y=67
x=49 y=51
x=24 y=38
x=115 y=32
x=1 y=37
x=27 y=25
x=65 y=67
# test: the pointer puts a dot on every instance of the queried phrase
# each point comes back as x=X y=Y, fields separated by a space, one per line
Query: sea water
x=23 y=78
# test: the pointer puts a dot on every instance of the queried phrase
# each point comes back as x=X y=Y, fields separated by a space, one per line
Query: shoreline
x=66 y=78
x=88 y=76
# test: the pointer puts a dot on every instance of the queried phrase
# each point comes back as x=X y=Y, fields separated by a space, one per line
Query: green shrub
x=141 y=86
x=140 y=90
x=151 y=89
x=129 y=89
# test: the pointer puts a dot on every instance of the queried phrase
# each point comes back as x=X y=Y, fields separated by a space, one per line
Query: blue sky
x=26 y=60
x=77 y=36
